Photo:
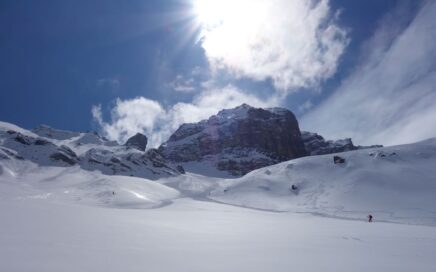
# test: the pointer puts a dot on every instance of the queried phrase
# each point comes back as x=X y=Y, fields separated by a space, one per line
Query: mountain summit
x=238 y=140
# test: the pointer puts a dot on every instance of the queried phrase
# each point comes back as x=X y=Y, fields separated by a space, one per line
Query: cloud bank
x=295 y=43
x=149 y=117
x=391 y=97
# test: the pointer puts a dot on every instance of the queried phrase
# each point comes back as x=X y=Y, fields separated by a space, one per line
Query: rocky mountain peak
x=238 y=140
x=138 y=141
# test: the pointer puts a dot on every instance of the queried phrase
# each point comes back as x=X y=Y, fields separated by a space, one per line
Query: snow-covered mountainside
x=237 y=140
x=395 y=183
x=46 y=146
x=229 y=144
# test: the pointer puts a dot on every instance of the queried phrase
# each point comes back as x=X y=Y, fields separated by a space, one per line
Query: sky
x=364 y=69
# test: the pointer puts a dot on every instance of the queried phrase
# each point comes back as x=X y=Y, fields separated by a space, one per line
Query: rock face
x=36 y=149
x=138 y=141
x=238 y=140
x=315 y=144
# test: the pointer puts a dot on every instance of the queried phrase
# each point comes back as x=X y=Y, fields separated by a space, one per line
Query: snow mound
x=73 y=184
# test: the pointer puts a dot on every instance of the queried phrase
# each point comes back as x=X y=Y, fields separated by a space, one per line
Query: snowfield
x=190 y=236
x=70 y=219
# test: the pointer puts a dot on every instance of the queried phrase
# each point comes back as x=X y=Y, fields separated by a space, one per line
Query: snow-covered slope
x=68 y=219
x=393 y=183
x=46 y=146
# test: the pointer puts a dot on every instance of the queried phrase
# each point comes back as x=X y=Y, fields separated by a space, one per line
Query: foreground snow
x=190 y=236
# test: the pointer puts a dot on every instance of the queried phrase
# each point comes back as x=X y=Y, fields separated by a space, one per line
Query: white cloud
x=391 y=97
x=295 y=43
x=129 y=117
x=147 y=116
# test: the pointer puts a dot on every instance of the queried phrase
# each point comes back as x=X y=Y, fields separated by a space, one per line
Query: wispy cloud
x=306 y=106
x=295 y=43
x=148 y=116
x=111 y=83
x=391 y=97
x=184 y=85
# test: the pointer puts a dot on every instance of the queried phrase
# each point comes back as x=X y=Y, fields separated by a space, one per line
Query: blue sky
x=126 y=66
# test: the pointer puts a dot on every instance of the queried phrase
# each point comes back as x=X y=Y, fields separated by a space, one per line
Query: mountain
x=237 y=140
x=47 y=146
x=229 y=144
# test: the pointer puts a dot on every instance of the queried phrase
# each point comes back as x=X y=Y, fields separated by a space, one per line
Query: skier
x=370 y=218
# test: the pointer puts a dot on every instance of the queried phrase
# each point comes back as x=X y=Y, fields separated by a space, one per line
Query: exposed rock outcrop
x=315 y=144
x=138 y=141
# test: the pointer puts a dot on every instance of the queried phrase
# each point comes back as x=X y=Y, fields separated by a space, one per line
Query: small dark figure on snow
x=294 y=187
x=113 y=193
x=370 y=218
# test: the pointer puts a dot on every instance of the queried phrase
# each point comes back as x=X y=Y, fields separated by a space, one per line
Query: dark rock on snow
x=338 y=160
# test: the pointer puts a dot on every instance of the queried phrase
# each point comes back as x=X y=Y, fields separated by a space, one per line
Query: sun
x=210 y=13
x=238 y=13
x=229 y=27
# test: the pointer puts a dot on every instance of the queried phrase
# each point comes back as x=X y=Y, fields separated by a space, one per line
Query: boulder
x=338 y=160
